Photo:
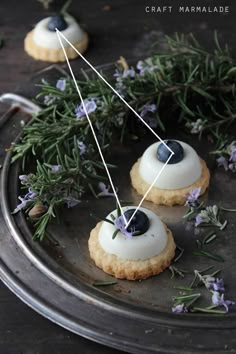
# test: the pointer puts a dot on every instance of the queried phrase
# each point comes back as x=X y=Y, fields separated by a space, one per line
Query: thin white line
x=150 y=187
x=91 y=126
x=130 y=107
x=117 y=93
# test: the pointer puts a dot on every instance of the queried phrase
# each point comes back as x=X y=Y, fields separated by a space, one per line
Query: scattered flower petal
x=218 y=300
x=222 y=161
x=104 y=190
x=179 y=309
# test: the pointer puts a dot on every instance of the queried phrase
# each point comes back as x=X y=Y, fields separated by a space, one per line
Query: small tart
x=43 y=44
x=130 y=263
x=168 y=196
x=54 y=55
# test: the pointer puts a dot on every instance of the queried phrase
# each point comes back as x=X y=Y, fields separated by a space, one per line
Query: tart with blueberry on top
x=42 y=42
x=184 y=171
x=142 y=249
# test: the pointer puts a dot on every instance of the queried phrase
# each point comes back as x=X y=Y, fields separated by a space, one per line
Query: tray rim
x=10 y=279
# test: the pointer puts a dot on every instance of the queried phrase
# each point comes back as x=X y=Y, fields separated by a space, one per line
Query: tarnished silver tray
x=56 y=277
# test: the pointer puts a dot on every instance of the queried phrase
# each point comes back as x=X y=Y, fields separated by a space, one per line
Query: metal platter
x=56 y=277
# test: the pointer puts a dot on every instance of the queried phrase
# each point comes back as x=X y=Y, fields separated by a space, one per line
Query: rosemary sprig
x=197 y=85
x=210 y=255
x=104 y=283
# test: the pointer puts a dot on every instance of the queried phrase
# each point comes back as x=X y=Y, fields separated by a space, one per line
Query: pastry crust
x=130 y=269
x=168 y=196
x=54 y=55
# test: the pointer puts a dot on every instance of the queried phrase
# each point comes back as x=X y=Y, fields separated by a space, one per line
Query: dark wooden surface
x=116 y=28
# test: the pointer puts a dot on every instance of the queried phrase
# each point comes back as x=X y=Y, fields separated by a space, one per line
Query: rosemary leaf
x=208 y=255
x=104 y=283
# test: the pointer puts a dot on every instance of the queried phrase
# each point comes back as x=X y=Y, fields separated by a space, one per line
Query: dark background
x=116 y=27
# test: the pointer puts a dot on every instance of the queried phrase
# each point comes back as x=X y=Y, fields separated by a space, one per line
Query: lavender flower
x=120 y=88
x=233 y=155
x=119 y=75
x=218 y=300
x=71 y=202
x=24 y=201
x=61 y=84
x=179 y=309
x=192 y=198
x=120 y=224
x=198 y=220
x=56 y=168
x=81 y=146
x=146 y=67
x=228 y=157
x=104 y=190
x=31 y=194
x=196 y=127
x=49 y=99
x=23 y=178
x=90 y=106
x=217 y=285
x=222 y=161
x=207 y=279
x=147 y=115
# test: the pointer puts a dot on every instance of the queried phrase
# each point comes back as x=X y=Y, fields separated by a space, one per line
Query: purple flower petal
x=61 y=84
x=233 y=155
x=124 y=74
x=90 y=106
x=222 y=161
x=120 y=224
x=218 y=285
x=148 y=108
x=192 y=197
x=104 y=190
x=147 y=114
x=82 y=147
x=55 y=168
x=198 y=220
x=23 y=178
x=179 y=309
x=218 y=300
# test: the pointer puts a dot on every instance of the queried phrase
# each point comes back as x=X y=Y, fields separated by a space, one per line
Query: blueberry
x=163 y=153
x=140 y=222
x=57 y=22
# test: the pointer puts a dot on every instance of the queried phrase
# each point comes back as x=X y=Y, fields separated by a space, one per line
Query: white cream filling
x=141 y=247
x=173 y=176
x=48 y=39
